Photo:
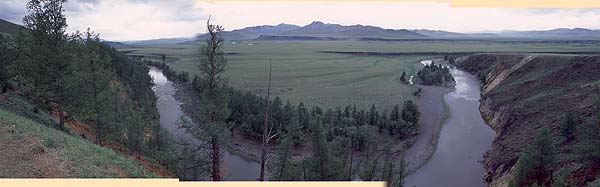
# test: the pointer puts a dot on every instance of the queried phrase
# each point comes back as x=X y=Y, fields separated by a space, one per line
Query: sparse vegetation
x=82 y=157
x=535 y=165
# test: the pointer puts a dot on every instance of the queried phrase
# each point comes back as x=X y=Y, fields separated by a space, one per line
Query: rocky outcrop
x=522 y=93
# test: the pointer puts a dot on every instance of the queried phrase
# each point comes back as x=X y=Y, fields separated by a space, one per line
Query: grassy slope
x=8 y=27
x=81 y=157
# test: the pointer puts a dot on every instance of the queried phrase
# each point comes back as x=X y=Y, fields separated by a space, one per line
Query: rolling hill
x=452 y=35
x=327 y=31
x=560 y=33
x=160 y=41
x=317 y=31
x=320 y=29
x=8 y=27
x=253 y=32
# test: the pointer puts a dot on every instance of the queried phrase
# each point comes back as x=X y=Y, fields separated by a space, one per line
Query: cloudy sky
x=147 y=19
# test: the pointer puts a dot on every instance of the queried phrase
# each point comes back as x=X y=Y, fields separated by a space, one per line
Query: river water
x=234 y=168
x=456 y=162
x=464 y=138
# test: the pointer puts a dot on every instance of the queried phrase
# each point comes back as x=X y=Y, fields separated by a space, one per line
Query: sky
x=123 y=20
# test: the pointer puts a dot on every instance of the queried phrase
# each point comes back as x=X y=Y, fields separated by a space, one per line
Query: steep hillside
x=8 y=27
x=522 y=93
x=32 y=150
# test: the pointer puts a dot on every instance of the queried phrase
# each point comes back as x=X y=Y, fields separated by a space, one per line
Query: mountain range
x=327 y=31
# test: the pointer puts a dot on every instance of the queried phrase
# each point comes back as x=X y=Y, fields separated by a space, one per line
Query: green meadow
x=302 y=73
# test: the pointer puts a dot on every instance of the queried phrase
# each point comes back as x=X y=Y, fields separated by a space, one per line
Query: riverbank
x=418 y=149
x=434 y=113
x=462 y=141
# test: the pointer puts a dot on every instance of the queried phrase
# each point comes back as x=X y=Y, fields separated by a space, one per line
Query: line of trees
x=246 y=111
x=77 y=77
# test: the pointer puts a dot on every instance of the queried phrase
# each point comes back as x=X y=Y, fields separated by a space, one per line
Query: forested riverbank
x=75 y=83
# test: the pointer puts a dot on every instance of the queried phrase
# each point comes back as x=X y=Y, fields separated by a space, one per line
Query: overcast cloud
x=148 y=19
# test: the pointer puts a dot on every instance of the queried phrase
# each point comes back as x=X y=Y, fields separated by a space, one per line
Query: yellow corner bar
x=170 y=183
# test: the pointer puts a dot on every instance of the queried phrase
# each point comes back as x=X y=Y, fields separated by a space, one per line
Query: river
x=456 y=162
x=463 y=140
x=234 y=167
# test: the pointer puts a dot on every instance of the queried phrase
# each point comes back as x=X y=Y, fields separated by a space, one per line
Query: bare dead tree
x=267 y=131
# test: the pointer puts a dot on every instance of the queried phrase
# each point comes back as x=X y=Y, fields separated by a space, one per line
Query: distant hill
x=160 y=41
x=450 y=35
x=253 y=32
x=326 y=31
x=271 y=37
x=8 y=27
x=320 y=29
x=561 y=33
x=316 y=31
x=116 y=44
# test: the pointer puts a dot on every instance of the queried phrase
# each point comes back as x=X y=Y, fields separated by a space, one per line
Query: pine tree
x=403 y=77
x=535 y=164
x=214 y=98
x=411 y=115
x=45 y=62
x=320 y=165
x=90 y=84
x=568 y=125
x=285 y=168
x=373 y=115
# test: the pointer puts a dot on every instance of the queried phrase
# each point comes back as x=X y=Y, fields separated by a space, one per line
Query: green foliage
x=588 y=149
x=536 y=162
x=88 y=160
x=321 y=166
x=403 y=77
x=567 y=127
x=560 y=178
x=7 y=59
x=433 y=74
x=44 y=61
x=78 y=74
x=247 y=114
x=284 y=167
x=208 y=138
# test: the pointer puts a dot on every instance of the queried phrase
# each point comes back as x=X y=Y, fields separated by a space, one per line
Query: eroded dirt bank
x=522 y=93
